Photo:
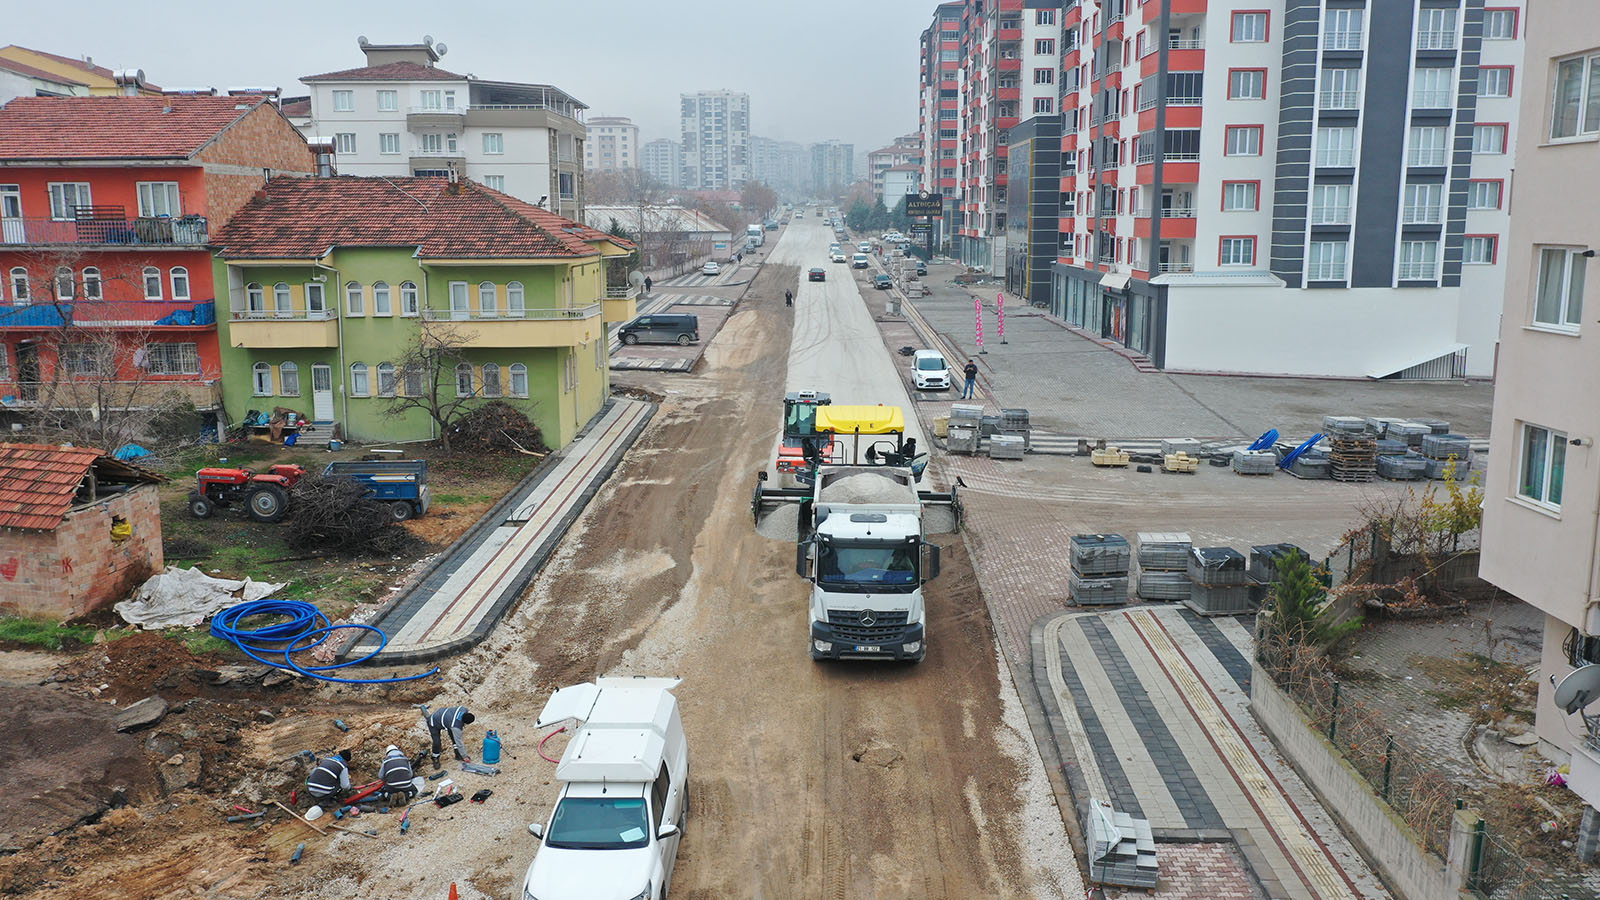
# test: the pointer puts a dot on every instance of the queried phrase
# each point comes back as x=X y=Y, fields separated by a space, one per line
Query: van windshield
x=599 y=823
x=930 y=363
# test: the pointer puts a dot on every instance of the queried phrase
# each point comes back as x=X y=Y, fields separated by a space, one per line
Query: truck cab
x=618 y=819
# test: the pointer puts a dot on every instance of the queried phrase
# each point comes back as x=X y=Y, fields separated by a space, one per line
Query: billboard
x=924 y=204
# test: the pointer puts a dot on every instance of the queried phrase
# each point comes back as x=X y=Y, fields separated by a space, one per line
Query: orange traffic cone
x=453 y=894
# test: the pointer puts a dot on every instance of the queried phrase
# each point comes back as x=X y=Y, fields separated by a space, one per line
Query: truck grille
x=886 y=627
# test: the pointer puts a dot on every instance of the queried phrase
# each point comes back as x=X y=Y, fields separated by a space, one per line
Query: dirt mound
x=62 y=763
x=139 y=665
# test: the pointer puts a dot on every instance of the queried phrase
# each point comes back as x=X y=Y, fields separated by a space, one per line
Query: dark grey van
x=661 y=329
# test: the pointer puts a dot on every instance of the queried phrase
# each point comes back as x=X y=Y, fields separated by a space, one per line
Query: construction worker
x=451 y=719
x=397 y=775
x=330 y=777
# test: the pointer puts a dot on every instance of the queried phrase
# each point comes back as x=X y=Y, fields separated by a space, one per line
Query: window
x=1044 y=76
x=288 y=379
x=515 y=304
x=180 y=282
x=316 y=305
x=65 y=198
x=388 y=101
x=389 y=143
x=1558 y=298
x=1249 y=27
x=1341 y=29
x=408 y=298
x=1240 y=196
x=1044 y=17
x=1494 y=81
x=1238 y=251
x=1577 y=98
x=491 y=380
x=1499 y=24
x=1247 y=84
x=1422 y=204
x=1044 y=46
x=1436 y=29
x=255 y=298
x=64 y=284
x=494 y=142
x=1043 y=106
x=1484 y=194
x=385 y=379
x=433 y=143
x=84 y=359
x=92 y=289
x=494 y=182
x=344 y=101
x=1325 y=261
x=1427 y=146
x=450 y=142
x=1489 y=139
x=431 y=100
x=360 y=385
x=152 y=283
x=1336 y=147
x=380 y=299
x=464 y=380
x=564 y=185
x=1430 y=88
x=1419 y=260
x=487 y=302
x=519 y=380
x=1479 y=249
x=19 y=286
x=261 y=376
x=1330 y=204
x=5 y=366
x=1340 y=89
x=282 y=301
x=355 y=302
x=164 y=358
x=159 y=198
x=1544 y=463
x=1243 y=140
x=344 y=142
x=569 y=372
x=459 y=304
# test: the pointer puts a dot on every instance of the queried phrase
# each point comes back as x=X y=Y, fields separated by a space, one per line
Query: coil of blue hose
x=303 y=622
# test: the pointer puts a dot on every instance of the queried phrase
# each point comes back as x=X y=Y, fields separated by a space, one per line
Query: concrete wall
x=78 y=568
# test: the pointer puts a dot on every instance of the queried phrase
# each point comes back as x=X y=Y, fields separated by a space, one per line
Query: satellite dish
x=441 y=49
x=1578 y=689
x=636 y=278
x=428 y=39
x=362 y=41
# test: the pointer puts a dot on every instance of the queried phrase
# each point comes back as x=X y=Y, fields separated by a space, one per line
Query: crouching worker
x=397 y=775
x=331 y=777
x=448 y=719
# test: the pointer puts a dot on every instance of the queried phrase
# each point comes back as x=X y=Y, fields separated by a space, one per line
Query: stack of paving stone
x=1170 y=446
x=1409 y=433
x=1347 y=426
x=1122 y=849
x=1164 y=565
x=1435 y=426
x=1408 y=467
x=1378 y=426
x=1014 y=421
x=1006 y=446
x=1255 y=462
x=1391 y=447
x=962 y=439
x=1442 y=450
x=1099 y=573
x=1219 y=585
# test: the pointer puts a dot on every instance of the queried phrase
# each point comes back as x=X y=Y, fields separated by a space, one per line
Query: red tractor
x=265 y=495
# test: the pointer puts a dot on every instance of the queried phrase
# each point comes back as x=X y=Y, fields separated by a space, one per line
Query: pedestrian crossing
x=1052 y=444
x=729 y=275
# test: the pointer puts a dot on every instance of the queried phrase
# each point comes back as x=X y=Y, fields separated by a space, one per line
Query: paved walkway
x=460 y=601
x=1150 y=707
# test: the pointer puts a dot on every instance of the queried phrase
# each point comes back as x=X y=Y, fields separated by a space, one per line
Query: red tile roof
x=300 y=218
x=38 y=481
x=395 y=71
x=51 y=128
x=298 y=107
x=11 y=65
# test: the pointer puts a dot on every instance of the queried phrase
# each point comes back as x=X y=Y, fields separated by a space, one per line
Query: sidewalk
x=457 y=604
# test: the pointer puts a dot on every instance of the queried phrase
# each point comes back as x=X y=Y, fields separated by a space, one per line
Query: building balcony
x=1330 y=215
x=434 y=159
x=155 y=315
x=143 y=231
x=152 y=392
x=1341 y=40
x=435 y=117
x=1011 y=64
x=1421 y=215
x=1338 y=100
x=523 y=328
x=620 y=303
x=1174 y=267
x=1436 y=40
x=260 y=329
x=1005 y=34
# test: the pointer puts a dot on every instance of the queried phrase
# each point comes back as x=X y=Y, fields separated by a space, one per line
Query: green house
x=362 y=302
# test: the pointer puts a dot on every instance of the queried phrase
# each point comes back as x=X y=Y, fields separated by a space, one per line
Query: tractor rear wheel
x=267 y=503
x=200 y=506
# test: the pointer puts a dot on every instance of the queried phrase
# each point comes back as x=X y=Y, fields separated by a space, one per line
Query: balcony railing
x=1147 y=103
x=621 y=292
x=1341 y=40
x=143 y=231
x=108 y=314
x=287 y=315
x=1186 y=44
x=1172 y=156
x=1436 y=40
x=437 y=110
x=512 y=315
x=1177 y=212
x=1423 y=271
x=1326 y=272
x=1330 y=215
x=1177 y=266
x=437 y=152
x=1336 y=158
x=1421 y=215
x=1183 y=101
x=1425 y=157
x=1430 y=100
x=1339 y=99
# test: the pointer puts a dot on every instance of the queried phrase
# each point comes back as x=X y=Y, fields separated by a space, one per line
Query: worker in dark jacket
x=330 y=778
x=451 y=719
x=397 y=775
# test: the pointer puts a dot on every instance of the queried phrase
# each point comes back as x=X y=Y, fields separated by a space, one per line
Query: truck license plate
x=862 y=649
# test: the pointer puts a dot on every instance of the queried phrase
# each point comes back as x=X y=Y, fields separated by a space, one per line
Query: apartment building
x=784 y=166
x=662 y=160
x=25 y=72
x=613 y=144
x=904 y=150
x=716 y=140
x=1543 y=476
x=833 y=167
x=938 y=119
x=403 y=115
x=106 y=207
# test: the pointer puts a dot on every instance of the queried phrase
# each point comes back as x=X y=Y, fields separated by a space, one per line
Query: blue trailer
x=401 y=483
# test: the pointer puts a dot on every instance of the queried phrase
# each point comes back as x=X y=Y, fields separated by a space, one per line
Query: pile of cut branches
x=497 y=425
x=340 y=514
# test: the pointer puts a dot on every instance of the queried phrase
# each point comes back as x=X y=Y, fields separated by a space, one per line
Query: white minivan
x=929 y=372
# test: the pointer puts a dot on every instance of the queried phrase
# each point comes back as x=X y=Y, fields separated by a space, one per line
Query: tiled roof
x=298 y=107
x=11 y=65
x=39 y=481
x=300 y=218
x=48 y=128
x=395 y=71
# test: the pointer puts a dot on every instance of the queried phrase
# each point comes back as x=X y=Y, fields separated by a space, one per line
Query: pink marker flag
x=1000 y=310
x=977 y=319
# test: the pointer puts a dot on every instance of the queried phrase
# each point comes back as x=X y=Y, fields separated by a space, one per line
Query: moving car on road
x=860 y=261
x=922 y=267
x=817 y=273
x=711 y=268
x=882 y=282
x=837 y=256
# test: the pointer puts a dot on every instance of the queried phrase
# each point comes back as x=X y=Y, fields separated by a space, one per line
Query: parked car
x=864 y=247
x=817 y=273
x=711 y=268
x=929 y=372
x=860 y=261
x=837 y=256
x=922 y=267
x=661 y=328
x=882 y=282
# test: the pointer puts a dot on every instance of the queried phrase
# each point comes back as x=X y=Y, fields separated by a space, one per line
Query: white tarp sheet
x=186 y=597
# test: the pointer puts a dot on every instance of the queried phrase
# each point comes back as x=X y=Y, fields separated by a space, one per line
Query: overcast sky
x=819 y=69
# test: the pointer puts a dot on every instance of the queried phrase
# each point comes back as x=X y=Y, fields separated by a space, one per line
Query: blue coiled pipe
x=304 y=623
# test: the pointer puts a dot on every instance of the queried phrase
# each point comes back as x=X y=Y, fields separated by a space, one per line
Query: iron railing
x=512 y=315
x=141 y=231
x=265 y=314
x=1339 y=99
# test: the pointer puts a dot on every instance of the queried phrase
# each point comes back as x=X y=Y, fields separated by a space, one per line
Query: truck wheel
x=400 y=510
x=684 y=340
x=200 y=506
x=267 y=503
x=630 y=339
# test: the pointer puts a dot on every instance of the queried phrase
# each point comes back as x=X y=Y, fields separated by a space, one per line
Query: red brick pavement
x=1212 y=871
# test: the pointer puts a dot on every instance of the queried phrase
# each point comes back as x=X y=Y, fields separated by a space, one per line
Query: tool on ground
x=246 y=810
x=294 y=795
x=295 y=859
x=437 y=775
x=339 y=724
x=447 y=800
x=254 y=815
x=299 y=818
x=491 y=747
x=369 y=834
x=482 y=795
x=479 y=769
x=405 y=821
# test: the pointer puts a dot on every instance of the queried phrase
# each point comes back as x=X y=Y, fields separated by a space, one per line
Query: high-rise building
x=784 y=166
x=662 y=160
x=613 y=144
x=905 y=150
x=716 y=140
x=833 y=166
x=939 y=119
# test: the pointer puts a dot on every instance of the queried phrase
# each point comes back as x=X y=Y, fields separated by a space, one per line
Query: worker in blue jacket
x=451 y=719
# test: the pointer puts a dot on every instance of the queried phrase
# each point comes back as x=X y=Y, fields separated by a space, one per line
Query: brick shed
x=79 y=529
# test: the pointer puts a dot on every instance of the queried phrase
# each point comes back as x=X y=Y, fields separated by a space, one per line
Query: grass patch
x=201 y=642
x=45 y=633
x=1485 y=689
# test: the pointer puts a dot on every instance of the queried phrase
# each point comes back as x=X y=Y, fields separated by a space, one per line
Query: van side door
x=666 y=807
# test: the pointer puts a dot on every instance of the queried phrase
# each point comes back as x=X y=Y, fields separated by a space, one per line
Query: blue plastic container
x=491 y=747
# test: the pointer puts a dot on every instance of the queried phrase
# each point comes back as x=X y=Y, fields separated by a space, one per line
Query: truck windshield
x=599 y=823
x=867 y=566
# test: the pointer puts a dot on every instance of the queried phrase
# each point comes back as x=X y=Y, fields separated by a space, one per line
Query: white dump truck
x=619 y=817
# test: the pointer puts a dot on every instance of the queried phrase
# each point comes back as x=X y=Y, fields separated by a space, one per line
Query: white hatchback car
x=711 y=268
x=929 y=371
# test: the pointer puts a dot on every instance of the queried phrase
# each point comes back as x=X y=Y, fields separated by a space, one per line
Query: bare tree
x=428 y=377
x=758 y=199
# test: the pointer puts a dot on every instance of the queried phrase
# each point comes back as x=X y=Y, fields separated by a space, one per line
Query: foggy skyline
x=814 y=71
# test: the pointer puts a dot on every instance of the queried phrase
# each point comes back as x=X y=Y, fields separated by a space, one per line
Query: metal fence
x=1501 y=872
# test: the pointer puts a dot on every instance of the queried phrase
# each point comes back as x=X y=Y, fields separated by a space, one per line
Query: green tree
x=1300 y=610
x=859 y=216
x=878 y=220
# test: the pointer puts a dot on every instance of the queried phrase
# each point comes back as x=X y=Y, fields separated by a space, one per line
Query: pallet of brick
x=1402 y=468
x=1265 y=559
x=1255 y=462
x=966 y=414
x=1221 y=599
x=1435 y=426
x=1006 y=446
x=1352 y=459
x=1378 y=426
x=1444 y=446
x=1350 y=425
x=963 y=439
x=1163 y=585
x=1170 y=446
x=1095 y=591
x=1180 y=462
x=1311 y=468
x=1014 y=420
x=1164 y=551
x=1411 y=433
x=1457 y=469
x=1217 y=565
x=1390 y=447
x=1110 y=456
x=1093 y=555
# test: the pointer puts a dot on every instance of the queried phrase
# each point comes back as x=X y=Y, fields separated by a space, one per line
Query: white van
x=929 y=372
x=617 y=822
